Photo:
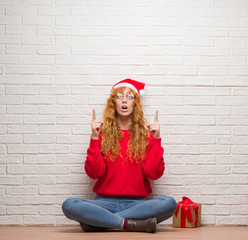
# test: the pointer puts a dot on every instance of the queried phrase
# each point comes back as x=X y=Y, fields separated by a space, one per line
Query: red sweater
x=124 y=178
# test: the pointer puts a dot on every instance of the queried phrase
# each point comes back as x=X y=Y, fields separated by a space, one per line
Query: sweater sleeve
x=154 y=165
x=95 y=166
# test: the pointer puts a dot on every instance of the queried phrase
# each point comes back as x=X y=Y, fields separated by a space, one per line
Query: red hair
x=111 y=132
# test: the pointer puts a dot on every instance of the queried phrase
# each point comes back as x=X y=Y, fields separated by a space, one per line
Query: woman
x=124 y=153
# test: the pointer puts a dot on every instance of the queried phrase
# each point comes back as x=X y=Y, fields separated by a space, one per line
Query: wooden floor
x=163 y=232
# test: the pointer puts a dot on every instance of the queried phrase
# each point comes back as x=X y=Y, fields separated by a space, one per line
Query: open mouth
x=124 y=108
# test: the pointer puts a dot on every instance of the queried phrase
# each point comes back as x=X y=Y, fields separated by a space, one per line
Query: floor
x=163 y=232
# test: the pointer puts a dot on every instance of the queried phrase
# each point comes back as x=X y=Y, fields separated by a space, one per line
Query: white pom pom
x=142 y=92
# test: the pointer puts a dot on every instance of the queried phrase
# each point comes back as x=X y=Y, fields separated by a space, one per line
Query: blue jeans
x=111 y=212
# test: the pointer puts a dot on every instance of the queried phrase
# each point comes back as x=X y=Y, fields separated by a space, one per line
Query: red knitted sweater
x=124 y=178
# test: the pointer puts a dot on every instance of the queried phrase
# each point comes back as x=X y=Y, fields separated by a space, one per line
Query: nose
x=124 y=99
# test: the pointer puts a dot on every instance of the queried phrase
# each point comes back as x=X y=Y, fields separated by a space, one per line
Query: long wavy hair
x=111 y=132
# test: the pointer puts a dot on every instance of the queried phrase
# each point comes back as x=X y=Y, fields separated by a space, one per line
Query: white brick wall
x=59 y=59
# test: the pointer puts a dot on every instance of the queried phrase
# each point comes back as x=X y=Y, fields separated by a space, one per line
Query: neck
x=124 y=123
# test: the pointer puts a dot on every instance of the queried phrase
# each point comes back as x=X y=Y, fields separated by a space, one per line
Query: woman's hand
x=154 y=128
x=96 y=126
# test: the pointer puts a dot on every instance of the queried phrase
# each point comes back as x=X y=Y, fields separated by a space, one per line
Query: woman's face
x=124 y=103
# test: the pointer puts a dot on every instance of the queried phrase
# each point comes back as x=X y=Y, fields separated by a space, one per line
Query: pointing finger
x=94 y=115
x=156 y=116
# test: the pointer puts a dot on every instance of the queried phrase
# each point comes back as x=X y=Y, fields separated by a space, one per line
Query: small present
x=188 y=214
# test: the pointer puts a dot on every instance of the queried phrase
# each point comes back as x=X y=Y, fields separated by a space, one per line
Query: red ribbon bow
x=186 y=211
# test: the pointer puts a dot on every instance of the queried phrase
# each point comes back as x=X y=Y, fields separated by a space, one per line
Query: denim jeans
x=111 y=212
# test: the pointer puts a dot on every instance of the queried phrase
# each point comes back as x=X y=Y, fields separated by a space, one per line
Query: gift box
x=188 y=214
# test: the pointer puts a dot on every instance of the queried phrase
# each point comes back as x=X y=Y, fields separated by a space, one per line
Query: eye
x=119 y=95
x=130 y=96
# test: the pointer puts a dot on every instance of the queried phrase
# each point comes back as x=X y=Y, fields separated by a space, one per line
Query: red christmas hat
x=138 y=87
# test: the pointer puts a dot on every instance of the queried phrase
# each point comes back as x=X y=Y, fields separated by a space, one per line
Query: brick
x=46 y=170
x=20 y=29
x=20 y=10
x=54 y=190
x=29 y=139
x=50 y=210
x=217 y=210
x=71 y=60
x=240 y=169
x=215 y=190
x=11 y=90
x=55 y=129
x=38 y=20
x=199 y=100
x=55 y=50
x=22 y=169
x=53 y=11
x=240 y=111
x=48 y=100
x=234 y=200
x=16 y=129
x=240 y=150
x=54 y=110
x=39 y=180
x=85 y=130
x=10 y=39
x=184 y=149
x=240 y=131
x=54 y=90
x=240 y=190
x=233 y=140
x=199 y=170
x=230 y=81
x=215 y=111
x=21 y=190
x=73 y=120
x=9 y=180
x=215 y=130
x=219 y=149
x=21 y=210
x=38 y=2
x=26 y=149
x=53 y=31
x=72 y=100
x=35 y=200
x=53 y=148
x=33 y=120
x=229 y=160
x=22 y=109
x=15 y=159
x=193 y=130
x=240 y=209
x=233 y=121
x=73 y=179
x=70 y=159
x=199 y=181
x=10 y=200
x=192 y=120
x=10 y=20
x=10 y=220
x=53 y=69
x=37 y=40
x=230 y=220
x=9 y=120
x=199 y=160
x=232 y=179
x=74 y=80
x=22 y=49
x=10 y=139
x=8 y=100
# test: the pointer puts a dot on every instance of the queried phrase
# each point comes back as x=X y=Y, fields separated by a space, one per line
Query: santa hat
x=138 y=87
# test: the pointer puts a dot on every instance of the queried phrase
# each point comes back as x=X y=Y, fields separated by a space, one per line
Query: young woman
x=124 y=153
